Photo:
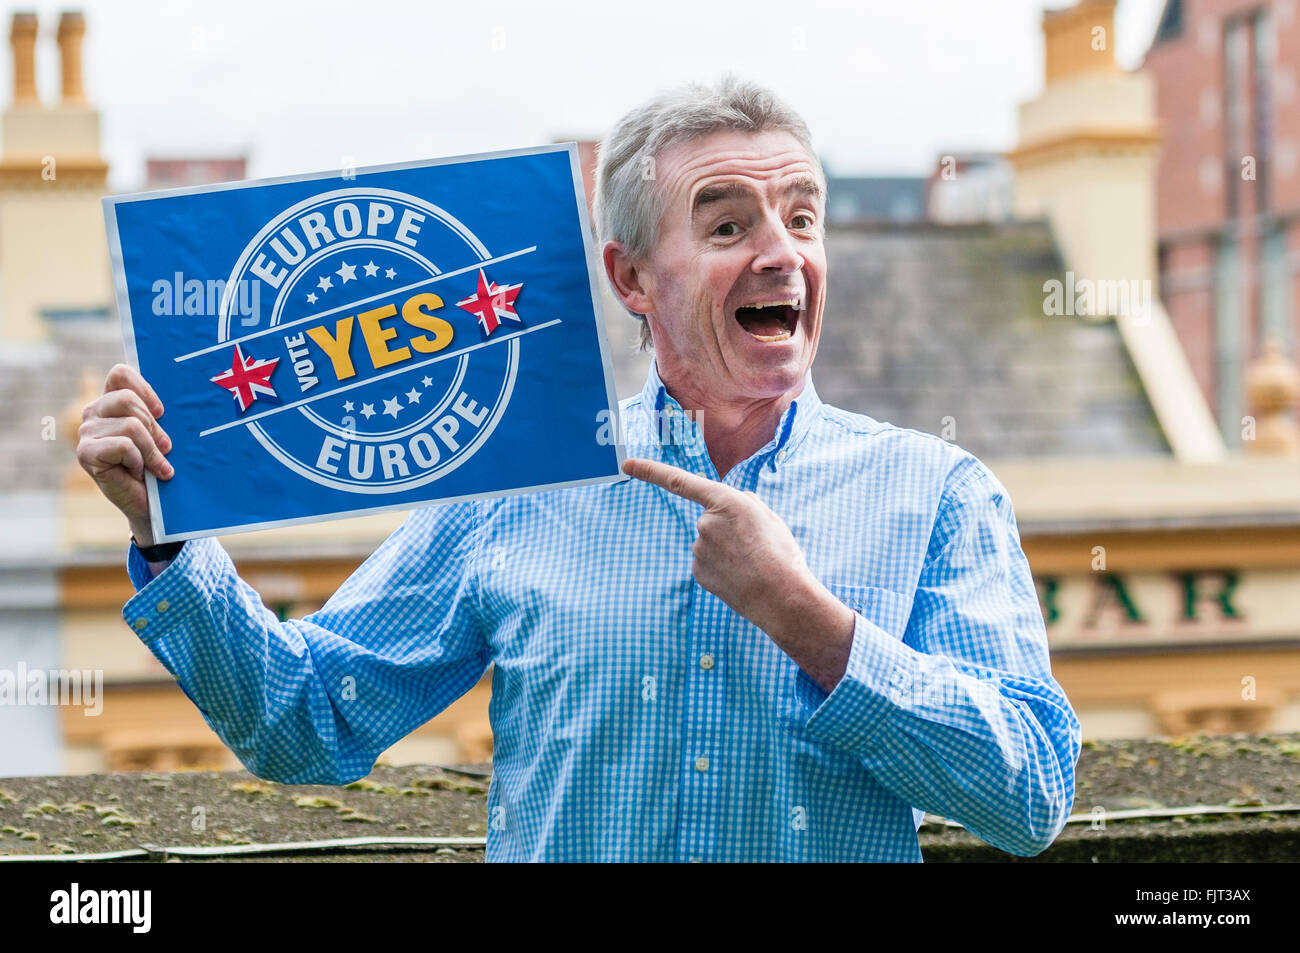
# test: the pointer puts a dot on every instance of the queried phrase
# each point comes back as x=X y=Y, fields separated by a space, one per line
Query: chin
x=775 y=380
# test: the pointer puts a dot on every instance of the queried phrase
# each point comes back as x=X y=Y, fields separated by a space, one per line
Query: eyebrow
x=711 y=194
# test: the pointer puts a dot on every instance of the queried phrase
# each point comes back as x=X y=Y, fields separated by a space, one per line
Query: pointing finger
x=676 y=480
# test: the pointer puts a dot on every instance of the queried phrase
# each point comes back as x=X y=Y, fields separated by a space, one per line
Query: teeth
x=792 y=302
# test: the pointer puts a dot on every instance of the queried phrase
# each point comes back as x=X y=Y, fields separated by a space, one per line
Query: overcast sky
x=301 y=87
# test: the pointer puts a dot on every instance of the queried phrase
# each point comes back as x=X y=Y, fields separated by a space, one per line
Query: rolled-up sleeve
x=960 y=715
x=316 y=700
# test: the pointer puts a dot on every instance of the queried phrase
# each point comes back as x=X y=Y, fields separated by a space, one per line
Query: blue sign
x=330 y=345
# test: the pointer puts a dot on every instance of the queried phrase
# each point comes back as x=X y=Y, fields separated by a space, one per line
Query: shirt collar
x=670 y=423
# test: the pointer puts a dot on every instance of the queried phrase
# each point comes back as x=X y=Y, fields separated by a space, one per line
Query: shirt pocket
x=800 y=696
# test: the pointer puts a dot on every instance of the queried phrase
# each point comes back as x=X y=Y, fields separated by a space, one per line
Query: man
x=795 y=627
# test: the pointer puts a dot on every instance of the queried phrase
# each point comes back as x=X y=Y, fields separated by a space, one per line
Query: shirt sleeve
x=961 y=716
x=316 y=700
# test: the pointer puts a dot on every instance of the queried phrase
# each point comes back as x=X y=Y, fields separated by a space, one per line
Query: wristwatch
x=159 y=553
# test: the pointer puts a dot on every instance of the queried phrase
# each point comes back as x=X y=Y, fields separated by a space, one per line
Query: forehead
x=763 y=161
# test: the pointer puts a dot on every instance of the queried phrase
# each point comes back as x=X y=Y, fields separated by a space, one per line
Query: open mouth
x=770 y=320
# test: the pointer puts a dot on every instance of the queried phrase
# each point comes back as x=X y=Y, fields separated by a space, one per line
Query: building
x=1228 y=188
x=1167 y=564
x=62 y=570
x=967 y=187
x=195 y=170
x=51 y=178
x=897 y=199
x=1168 y=581
x=55 y=290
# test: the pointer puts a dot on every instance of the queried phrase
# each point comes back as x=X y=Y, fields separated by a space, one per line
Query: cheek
x=701 y=316
x=816 y=270
x=710 y=292
x=716 y=285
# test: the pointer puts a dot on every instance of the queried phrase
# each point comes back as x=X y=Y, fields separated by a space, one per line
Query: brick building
x=1228 y=186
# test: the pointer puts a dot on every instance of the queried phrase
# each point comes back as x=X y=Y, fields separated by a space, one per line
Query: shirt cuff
x=161 y=603
x=879 y=675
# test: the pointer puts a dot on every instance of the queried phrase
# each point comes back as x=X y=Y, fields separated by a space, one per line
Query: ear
x=627 y=278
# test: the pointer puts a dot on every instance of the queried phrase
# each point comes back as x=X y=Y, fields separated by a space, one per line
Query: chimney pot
x=1079 y=39
x=72 y=27
x=22 y=37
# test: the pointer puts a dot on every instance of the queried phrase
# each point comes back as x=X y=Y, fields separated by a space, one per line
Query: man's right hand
x=119 y=439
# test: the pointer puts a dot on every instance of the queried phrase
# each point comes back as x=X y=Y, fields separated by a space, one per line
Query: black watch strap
x=159 y=553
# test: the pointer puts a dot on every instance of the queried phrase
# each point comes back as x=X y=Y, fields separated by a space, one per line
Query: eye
x=806 y=219
x=718 y=230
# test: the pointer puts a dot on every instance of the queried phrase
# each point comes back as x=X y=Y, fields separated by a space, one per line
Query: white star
x=311 y=298
x=371 y=268
x=347 y=272
x=412 y=396
x=427 y=382
x=367 y=410
x=390 y=273
x=347 y=407
x=392 y=407
x=325 y=284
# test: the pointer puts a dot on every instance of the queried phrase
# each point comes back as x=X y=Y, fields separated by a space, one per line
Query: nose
x=777 y=251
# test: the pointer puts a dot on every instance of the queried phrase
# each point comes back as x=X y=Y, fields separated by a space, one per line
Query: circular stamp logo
x=366 y=373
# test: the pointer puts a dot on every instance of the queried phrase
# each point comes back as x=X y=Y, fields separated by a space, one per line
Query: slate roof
x=934 y=321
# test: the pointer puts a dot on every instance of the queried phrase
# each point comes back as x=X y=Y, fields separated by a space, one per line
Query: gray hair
x=627 y=206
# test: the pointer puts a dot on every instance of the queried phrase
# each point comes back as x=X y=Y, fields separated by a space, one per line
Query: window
x=1274 y=293
x=1227 y=339
x=1171 y=22
x=1236 y=109
x=1262 y=106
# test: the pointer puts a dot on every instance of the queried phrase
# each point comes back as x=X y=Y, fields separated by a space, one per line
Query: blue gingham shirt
x=636 y=716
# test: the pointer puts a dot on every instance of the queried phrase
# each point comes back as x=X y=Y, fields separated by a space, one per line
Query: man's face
x=742 y=227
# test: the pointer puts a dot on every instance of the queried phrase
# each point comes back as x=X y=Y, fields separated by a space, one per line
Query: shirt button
x=701 y=763
x=140 y=623
x=781 y=455
x=706 y=661
x=164 y=605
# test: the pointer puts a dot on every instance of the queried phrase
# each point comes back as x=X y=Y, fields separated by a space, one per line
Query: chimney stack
x=72 y=27
x=22 y=37
x=1079 y=39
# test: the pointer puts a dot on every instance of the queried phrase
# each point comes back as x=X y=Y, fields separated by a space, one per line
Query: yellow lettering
x=336 y=347
x=376 y=336
x=415 y=312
